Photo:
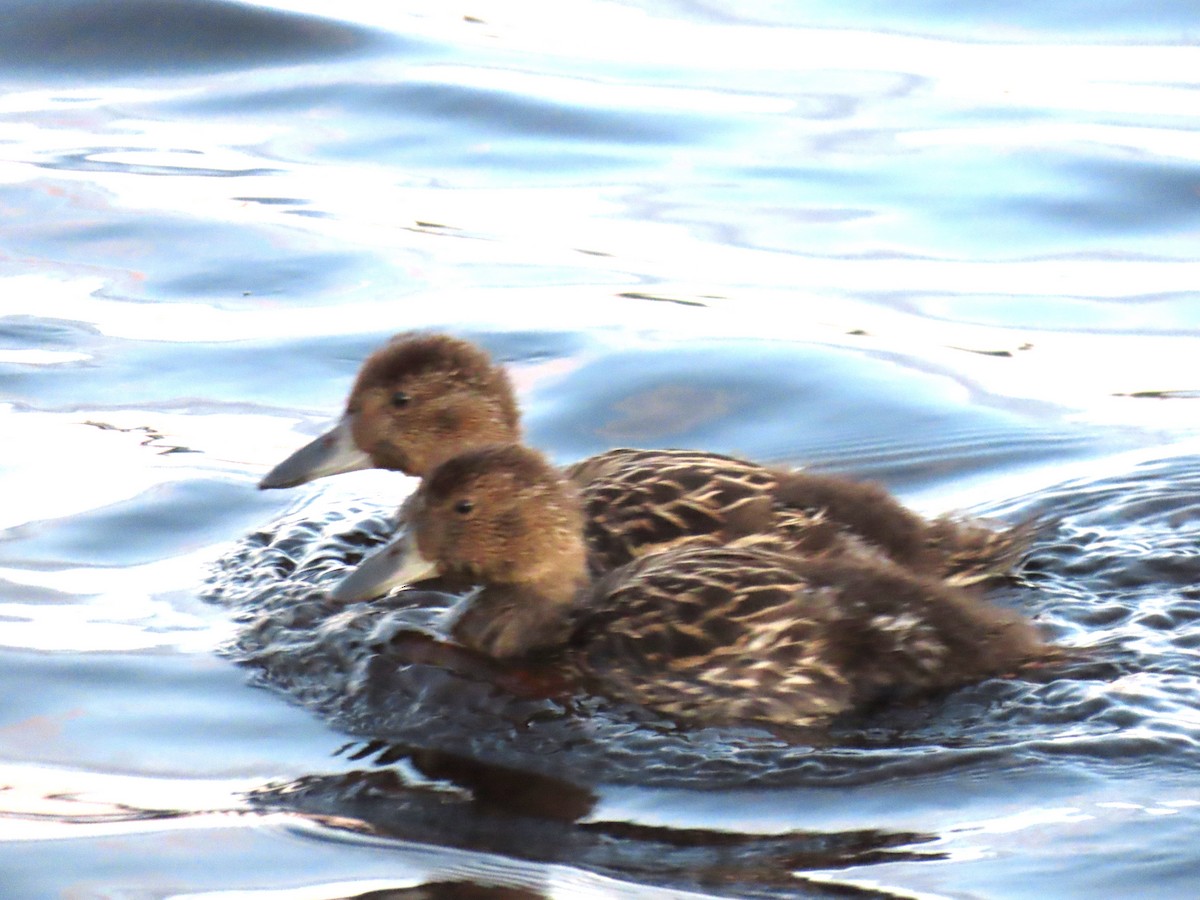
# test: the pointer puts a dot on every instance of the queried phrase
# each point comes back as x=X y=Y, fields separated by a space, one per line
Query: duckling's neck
x=559 y=578
x=516 y=618
x=507 y=621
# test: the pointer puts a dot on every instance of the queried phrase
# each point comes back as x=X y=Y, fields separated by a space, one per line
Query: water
x=952 y=248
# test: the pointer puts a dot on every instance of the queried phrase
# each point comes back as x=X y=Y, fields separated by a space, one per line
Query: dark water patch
x=1156 y=493
x=32 y=595
x=25 y=332
x=487 y=113
x=1162 y=395
x=448 y=127
x=656 y=298
x=498 y=114
x=79 y=39
x=976 y=201
x=1049 y=202
x=1122 y=196
x=273 y=201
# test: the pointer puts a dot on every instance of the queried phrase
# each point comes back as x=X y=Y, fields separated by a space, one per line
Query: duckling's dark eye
x=400 y=399
x=464 y=507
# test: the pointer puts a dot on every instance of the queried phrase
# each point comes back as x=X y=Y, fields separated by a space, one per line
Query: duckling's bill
x=397 y=564
x=332 y=453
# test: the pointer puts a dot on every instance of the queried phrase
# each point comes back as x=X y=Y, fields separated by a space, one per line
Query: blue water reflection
x=83 y=39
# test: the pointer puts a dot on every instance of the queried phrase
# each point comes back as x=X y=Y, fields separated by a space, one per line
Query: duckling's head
x=499 y=515
x=417 y=401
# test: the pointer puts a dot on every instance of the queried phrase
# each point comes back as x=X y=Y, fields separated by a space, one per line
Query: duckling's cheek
x=362 y=424
x=447 y=423
x=430 y=537
x=389 y=455
x=445 y=432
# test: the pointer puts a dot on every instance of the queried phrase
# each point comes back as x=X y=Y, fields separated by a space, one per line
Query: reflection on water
x=949 y=247
x=514 y=813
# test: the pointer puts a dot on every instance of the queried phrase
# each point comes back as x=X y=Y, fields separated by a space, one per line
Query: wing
x=715 y=634
x=643 y=501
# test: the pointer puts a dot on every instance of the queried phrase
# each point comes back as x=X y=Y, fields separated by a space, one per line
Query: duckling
x=423 y=398
x=709 y=634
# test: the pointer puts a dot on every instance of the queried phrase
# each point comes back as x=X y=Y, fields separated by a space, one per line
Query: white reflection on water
x=39 y=803
x=101 y=610
x=59 y=464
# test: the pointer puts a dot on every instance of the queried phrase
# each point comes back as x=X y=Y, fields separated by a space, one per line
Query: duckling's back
x=646 y=501
x=737 y=635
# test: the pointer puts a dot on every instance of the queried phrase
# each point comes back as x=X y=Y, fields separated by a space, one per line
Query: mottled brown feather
x=643 y=501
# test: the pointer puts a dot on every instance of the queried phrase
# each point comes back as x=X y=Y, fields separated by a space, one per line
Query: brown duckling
x=426 y=397
x=715 y=634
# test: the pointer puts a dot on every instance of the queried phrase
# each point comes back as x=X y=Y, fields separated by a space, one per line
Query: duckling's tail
x=1056 y=661
x=973 y=552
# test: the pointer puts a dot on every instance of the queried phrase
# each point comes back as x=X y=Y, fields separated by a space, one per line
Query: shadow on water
x=413 y=796
x=466 y=804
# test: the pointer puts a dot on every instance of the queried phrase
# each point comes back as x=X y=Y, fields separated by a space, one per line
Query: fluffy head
x=502 y=515
x=425 y=397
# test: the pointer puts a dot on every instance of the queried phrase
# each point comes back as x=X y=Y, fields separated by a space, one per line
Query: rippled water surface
x=950 y=247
